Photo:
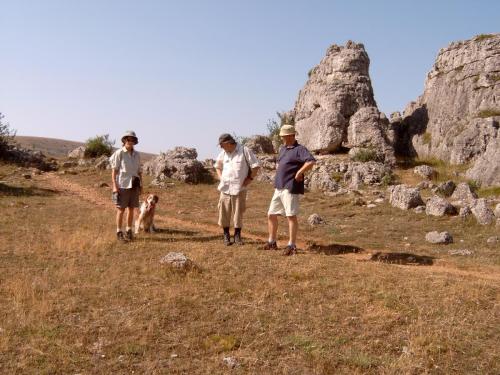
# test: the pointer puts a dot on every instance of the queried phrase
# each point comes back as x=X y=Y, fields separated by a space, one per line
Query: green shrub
x=482 y=37
x=474 y=185
x=366 y=154
x=98 y=146
x=488 y=113
x=426 y=138
x=6 y=135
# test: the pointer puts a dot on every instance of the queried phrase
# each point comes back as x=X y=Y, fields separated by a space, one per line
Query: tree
x=98 y=146
x=6 y=135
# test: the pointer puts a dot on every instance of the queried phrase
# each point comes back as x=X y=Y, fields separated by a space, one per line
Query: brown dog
x=146 y=217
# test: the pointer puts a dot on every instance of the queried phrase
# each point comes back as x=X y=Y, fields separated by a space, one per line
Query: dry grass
x=75 y=301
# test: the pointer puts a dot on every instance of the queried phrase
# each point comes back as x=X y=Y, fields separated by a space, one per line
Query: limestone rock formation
x=337 y=89
x=179 y=164
x=404 y=197
x=260 y=144
x=437 y=206
x=457 y=117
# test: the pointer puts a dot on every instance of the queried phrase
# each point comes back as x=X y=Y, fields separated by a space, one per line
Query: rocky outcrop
x=457 y=117
x=28 y=158
x=178 y=164
x=260 y=144
x=326 y=107
x=77 y=153
x=404 y=197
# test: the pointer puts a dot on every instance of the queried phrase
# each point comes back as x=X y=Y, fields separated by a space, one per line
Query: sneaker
x=237 y=239
x=289 y=250
x=128 y=235
x=120 y=237
x=227 y=239
x=269 y=246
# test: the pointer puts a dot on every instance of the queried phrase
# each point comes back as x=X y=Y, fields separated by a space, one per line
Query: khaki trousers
x=232 y=206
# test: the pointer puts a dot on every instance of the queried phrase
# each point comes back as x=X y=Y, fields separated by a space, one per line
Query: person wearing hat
x=236 y=166
x=293 y=161
x=126 y=177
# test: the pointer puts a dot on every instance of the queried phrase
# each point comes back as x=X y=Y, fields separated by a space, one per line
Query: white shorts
x=284 y=203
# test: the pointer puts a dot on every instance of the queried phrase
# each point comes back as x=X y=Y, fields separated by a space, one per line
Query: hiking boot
x=237 y=237
x=128 y=235
x=227 y=239
x=289 y=250
x=269 y=246
x=120 y=237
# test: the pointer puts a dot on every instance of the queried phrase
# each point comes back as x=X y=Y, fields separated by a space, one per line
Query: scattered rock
x=230 y=362
x=422 y=185
x=379 y=200
x=460 y=252
x=404 y=197
x=424 y=171
x=419 y=209
x=371 y=205
x=77 y=153
x=493 y=240
x=497 y=210
x=315 y=219
x=464 y=193
x=439 y=238
x=465 y=212
x=177 y=260
x=102 y=185
x=482 y=213
x=446 y=188
x=102 y=163
x=437 y=206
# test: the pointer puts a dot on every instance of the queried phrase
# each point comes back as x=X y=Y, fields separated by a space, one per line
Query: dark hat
x=226 y=138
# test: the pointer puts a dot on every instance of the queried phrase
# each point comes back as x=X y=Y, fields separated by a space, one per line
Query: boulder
x=404 y=197
x=483 y=214
x=497 y=210
x=439 y=238
x=424 y=171
x=179 y=164
x=315 y=219
x=77 y=153
x=446 y=188
x=260 y=144
x=370 y=173
x=102 y=163
x=437 y=206
x=464 y=193
x=465 y=212
x=486 y=168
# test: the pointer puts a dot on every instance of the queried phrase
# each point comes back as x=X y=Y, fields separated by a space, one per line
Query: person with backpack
x=126 y=175
x=236 y=167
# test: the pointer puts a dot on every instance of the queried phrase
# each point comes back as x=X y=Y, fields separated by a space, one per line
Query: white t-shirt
x=234 y=167
x=127 y=165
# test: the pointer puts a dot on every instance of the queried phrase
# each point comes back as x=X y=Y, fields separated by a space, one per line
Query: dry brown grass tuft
x=75 y=301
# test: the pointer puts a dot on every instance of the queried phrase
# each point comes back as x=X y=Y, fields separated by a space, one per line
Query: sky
x=180 y=73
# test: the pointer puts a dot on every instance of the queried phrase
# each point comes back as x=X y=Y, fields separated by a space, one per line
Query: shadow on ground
x=334 y=249
x=403 y=258
x=18 y=191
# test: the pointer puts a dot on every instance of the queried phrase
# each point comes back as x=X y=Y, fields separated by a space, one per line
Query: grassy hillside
x=73 y=300
x=57 y=148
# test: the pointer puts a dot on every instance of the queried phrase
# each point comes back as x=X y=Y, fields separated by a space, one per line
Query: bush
x=98 y=146
x=365 y=154
x=6 y=136
x=274 y=125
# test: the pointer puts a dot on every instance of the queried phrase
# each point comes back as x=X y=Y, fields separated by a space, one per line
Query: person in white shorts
x=293 y=161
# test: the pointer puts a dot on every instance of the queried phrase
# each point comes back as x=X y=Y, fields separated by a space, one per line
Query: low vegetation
x=98 y=146
x=488 y=113
x=75 y=301
x=6 y=135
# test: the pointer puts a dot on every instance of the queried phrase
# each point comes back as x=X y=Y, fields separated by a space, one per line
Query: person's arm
x=299 y=176
x=218 y=168
x=113 y=177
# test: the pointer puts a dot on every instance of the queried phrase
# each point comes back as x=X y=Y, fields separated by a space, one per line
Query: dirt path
x=90 y=194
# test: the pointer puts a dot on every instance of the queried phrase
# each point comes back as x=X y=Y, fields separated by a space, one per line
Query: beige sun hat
x=287 y=130
x=130 y=133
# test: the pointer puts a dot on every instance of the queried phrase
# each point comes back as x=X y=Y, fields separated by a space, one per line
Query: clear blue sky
x=181 y=73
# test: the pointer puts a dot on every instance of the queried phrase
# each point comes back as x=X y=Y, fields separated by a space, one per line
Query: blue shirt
x=290 y=160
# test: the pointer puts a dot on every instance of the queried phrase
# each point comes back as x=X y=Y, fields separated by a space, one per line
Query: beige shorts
x=284 y=203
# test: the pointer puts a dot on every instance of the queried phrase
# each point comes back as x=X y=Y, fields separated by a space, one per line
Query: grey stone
x=465 y=212
x=482 y=213
x=404 y=197
x=315 y=219
x=464 y=193
x=260 y=144
x=230 y=362
x=419 y=209
x=439 y=238
x=460 y=252
x=493 y=240
x=102 y=163
x=437 y=206
x=77 y=153
x=424 y=171
x=446 y=188
x=177 y=260
x=497 y=210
